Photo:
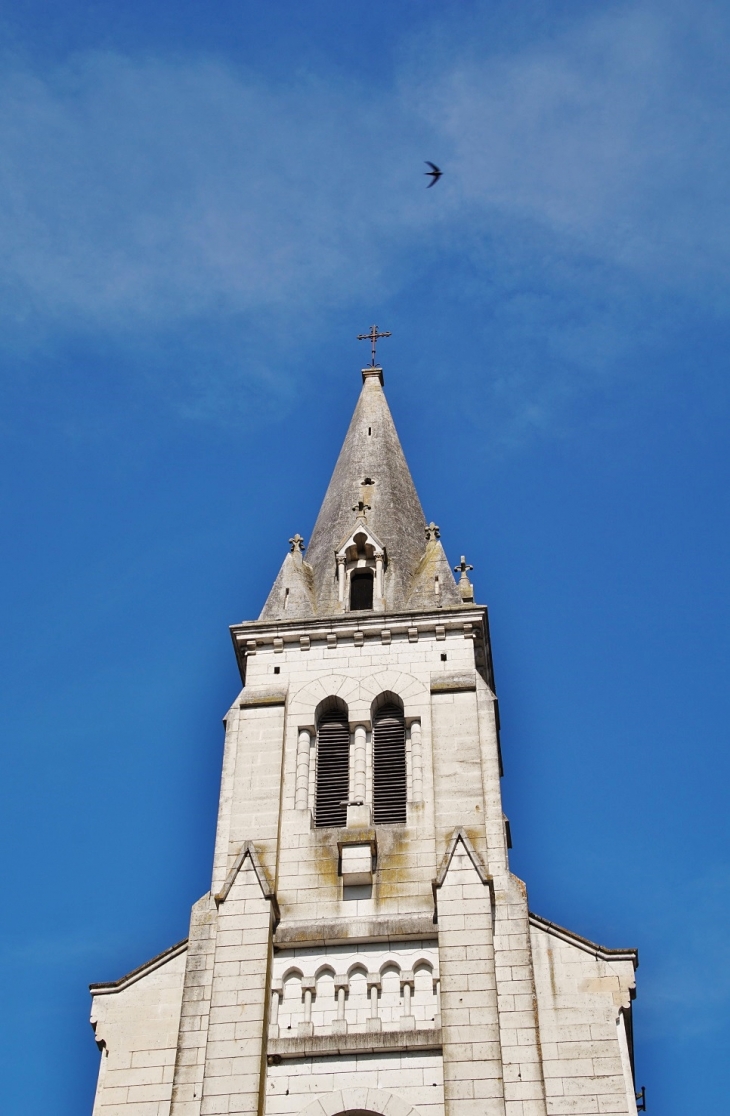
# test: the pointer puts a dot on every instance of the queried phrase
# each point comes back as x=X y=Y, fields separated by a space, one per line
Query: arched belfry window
x=333 y=756
x=361 y=590
x=389 y=766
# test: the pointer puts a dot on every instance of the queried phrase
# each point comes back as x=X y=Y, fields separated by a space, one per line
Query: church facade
x=364 y=947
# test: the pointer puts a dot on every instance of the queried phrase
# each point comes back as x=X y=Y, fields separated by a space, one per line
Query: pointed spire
x=371 y=485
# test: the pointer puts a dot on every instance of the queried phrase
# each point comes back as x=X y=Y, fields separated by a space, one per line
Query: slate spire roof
x=372 y=487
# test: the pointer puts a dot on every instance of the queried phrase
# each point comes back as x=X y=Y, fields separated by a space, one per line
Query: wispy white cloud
x=614 y=136
x=143 y=195
x=165 y=189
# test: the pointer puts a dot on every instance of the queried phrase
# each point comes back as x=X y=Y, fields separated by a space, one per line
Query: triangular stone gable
x=459 y=836
x=248 y=850
x=360 y=528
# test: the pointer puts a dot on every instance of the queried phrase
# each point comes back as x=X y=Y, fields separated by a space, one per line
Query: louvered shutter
x=389 y=766
x=333 y=757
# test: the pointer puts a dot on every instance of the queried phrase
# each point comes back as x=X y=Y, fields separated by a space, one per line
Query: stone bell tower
x=364 y=947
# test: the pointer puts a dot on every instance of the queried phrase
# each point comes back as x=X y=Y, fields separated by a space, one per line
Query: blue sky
x=201 y=205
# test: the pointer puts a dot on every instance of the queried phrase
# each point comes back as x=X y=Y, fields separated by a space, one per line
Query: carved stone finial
x=296 y=545
x=462 y=568
x=466 y=590
x=433 y=531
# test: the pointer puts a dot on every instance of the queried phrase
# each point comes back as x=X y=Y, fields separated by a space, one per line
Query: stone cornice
x=371 y=623
x=372 y=1042
x=251 y=636
x=324 y=932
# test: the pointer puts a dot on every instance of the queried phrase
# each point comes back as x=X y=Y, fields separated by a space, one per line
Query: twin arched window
x=333 y=767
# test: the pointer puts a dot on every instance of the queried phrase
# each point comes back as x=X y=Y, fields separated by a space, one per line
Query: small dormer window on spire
x=360 y=568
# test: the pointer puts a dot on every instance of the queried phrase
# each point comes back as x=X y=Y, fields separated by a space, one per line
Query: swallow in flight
x=434 y=173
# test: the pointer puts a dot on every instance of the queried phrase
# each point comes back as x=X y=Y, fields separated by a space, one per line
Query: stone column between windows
x=407 y=983
x=339 y=1025
x=374 y=1023
x=308 y=991
x=304 y=743
x=416 y=762
x=360 y=758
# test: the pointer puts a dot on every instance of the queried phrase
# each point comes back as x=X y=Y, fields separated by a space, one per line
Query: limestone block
x=356 y=864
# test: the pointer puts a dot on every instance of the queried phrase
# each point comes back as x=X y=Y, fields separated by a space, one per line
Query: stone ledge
x=368 y=1042
x=452 y=682
x=263 y=695
x=322 y=933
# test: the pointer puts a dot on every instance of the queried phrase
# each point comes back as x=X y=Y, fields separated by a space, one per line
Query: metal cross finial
x=432 y=531
x=373 y=337
x=297 y=543
x=462 y=568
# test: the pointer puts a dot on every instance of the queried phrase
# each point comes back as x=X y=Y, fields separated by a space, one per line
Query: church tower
x=364 y=947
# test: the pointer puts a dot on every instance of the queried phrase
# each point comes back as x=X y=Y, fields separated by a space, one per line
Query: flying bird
x=434 y=173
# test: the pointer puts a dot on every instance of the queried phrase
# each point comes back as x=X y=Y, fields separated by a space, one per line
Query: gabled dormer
x=361 y=561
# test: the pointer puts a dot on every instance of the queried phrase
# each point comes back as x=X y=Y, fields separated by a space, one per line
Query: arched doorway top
x=359 y=1102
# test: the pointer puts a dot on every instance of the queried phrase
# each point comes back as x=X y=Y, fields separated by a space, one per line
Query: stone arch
x=292 y=971
x=410 y=692
x=305 y=700
x=424 y=963
x=331 y=702
x=356 y=967
x=385 y=697
x=390 y=963
x=359 y=1102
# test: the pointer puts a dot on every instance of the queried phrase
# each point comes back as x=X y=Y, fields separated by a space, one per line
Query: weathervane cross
x=373 y=337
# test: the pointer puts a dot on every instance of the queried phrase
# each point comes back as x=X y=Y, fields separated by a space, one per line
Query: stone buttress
x=364 y=947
